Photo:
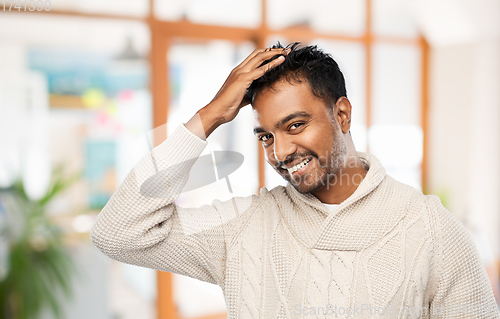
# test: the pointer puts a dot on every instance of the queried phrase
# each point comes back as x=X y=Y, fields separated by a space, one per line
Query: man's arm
x=141 y=225
x=463 y=288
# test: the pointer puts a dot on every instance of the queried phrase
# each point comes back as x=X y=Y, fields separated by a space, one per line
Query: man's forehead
x=282 y=97
x=282 y=89
x=280 y=84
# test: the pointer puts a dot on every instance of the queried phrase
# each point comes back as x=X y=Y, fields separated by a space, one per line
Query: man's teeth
x=298 y=166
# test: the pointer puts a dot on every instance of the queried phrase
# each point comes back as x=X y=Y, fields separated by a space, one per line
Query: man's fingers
x=254 y=53
x=257 y=51
x=272 y=64
x=257 y=73
x=260 y=57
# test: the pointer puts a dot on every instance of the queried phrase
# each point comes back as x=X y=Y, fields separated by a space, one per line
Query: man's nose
x=283 y=148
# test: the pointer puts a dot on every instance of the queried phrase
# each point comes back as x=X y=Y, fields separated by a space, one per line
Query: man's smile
x=300 y=168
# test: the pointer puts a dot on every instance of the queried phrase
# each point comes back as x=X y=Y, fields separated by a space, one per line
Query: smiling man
x=342 y=239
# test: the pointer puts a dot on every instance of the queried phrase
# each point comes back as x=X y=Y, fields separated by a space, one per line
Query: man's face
x=300 y=135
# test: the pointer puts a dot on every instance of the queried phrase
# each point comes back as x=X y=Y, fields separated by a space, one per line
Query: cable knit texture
x=387 y=251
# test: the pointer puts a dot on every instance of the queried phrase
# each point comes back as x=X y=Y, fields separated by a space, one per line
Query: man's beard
x=330 y=166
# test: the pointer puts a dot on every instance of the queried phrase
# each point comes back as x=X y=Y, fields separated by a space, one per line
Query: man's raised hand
x=227 y=102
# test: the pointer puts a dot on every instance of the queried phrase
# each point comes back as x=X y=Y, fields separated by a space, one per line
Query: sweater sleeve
x=141 y=224
x=463 y=289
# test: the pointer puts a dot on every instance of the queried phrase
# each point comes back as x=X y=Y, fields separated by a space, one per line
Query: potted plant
x=38 y=268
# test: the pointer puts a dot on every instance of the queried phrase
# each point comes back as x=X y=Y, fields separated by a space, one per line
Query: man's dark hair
x=308 y=64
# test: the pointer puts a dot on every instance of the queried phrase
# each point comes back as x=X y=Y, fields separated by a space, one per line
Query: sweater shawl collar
x=355 y=224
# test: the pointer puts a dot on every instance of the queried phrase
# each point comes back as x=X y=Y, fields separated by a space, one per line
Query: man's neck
x=346 y=182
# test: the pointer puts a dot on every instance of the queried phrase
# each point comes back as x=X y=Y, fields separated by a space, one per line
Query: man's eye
x=264 y=138
x=295 y=126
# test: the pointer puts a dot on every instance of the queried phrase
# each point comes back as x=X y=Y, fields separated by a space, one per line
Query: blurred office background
x=83 y=85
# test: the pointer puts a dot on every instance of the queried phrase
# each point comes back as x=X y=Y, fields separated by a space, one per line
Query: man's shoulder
x=429 y=204
x=395 y=191
x=444 y=221
x=417 y=204
x=399 y=187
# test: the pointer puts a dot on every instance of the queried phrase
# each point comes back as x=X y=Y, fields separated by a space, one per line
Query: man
x=342 y=239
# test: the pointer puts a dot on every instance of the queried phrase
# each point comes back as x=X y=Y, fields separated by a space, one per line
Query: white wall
x=464 y=132
x=464 y=115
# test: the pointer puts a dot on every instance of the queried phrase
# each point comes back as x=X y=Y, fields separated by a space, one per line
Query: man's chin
x=305 y=188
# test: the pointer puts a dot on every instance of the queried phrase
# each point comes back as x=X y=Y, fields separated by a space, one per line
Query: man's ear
x=343 y=113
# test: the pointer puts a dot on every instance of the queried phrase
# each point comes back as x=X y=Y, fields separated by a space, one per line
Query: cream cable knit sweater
x=387 y=251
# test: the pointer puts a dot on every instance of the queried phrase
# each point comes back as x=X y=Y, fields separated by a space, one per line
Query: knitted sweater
x=387 y=250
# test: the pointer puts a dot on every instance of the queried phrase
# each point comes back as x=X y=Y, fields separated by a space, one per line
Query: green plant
x=39 y=268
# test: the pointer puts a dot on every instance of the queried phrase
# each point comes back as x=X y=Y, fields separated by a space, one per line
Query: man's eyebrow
x=290 y=117
x=258 y=130
x=283 y=121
